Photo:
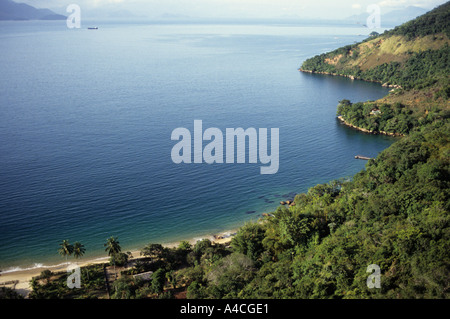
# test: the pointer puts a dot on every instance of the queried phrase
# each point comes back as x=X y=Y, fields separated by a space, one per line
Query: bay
x=86 y=118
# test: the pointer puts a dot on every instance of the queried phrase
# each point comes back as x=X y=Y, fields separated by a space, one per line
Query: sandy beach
x=20 y=279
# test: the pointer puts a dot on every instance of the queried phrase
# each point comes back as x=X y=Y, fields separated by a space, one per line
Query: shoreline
x=341 y=119
x=361 y=129
x=20 y=278
x=352 y=77
x=216 y=236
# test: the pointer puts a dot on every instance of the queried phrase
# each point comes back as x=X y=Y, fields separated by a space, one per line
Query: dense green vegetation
x=435 y=21
x=9 y=293
x=394 y=118
x=51 y=285
x=421 y=69
x=393 y=214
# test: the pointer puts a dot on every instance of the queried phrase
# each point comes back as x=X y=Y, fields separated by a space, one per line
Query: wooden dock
x=362 y=157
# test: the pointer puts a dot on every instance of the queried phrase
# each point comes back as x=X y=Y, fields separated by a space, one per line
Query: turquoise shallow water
x=86 y=119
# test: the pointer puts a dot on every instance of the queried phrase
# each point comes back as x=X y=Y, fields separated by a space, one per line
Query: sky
x=307 y=9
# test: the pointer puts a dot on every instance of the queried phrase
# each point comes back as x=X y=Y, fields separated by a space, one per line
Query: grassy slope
x=385 y=49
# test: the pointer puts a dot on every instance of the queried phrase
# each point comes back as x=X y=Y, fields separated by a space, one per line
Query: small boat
x=93 y=28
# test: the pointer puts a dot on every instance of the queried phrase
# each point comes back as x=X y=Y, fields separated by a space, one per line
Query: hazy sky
x=325 y=9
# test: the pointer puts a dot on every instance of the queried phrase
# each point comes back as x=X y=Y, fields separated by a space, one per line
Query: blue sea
x=86 y=118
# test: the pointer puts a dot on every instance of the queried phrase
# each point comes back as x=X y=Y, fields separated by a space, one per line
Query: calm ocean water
x=86 y=118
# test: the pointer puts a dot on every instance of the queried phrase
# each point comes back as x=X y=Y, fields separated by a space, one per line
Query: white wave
x=34 y=266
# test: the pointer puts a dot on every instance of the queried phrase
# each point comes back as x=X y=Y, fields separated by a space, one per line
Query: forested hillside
x=413 y=55
x=412 y=59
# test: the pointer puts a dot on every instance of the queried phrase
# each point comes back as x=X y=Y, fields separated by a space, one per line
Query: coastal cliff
x=351 y=77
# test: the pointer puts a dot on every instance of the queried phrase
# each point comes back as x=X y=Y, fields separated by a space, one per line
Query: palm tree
x=65 y=249
x=113 y=248
x=78 y=250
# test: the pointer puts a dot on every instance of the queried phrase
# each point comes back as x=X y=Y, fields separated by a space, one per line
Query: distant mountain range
x=391 y=18
x=10 y=10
